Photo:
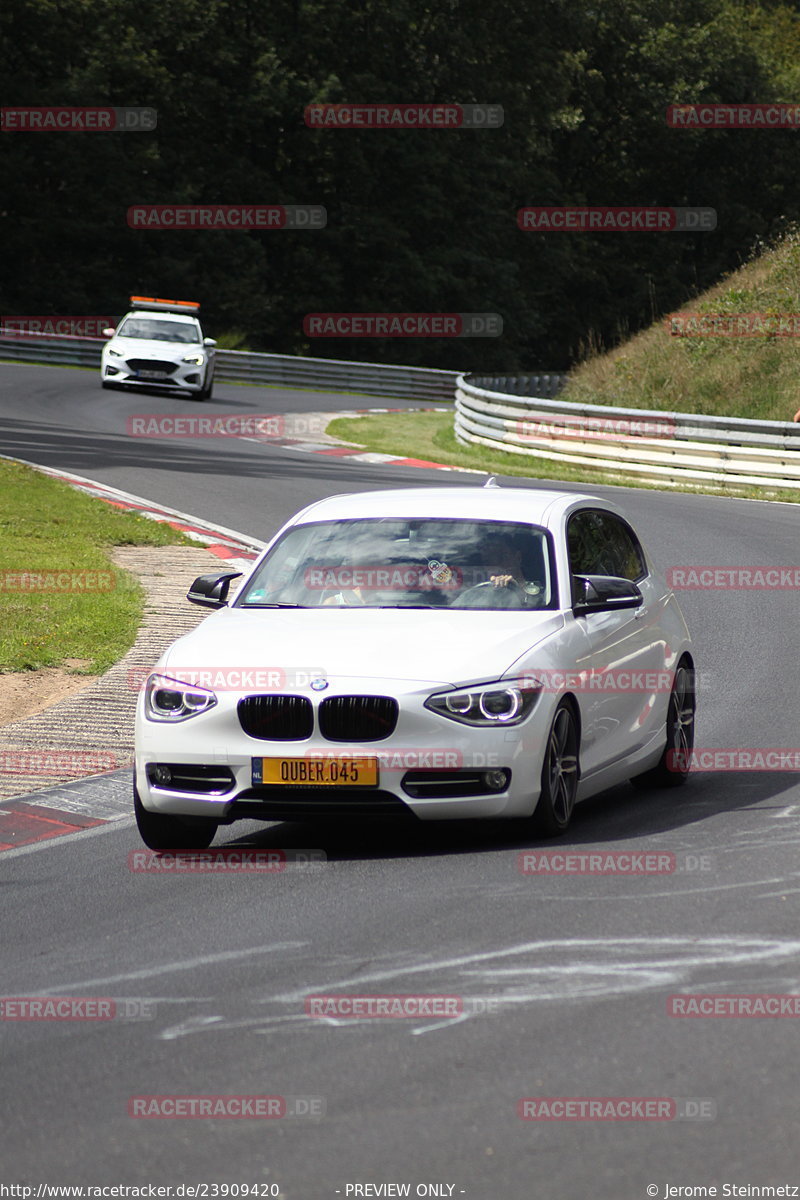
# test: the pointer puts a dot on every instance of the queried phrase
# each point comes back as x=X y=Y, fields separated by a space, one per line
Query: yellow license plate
x=319 y=772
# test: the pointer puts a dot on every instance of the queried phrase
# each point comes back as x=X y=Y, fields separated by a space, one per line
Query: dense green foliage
x=417 y=221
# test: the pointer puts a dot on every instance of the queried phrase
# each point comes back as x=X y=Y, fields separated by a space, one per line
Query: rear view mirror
x=604 y=593
x=211 y=591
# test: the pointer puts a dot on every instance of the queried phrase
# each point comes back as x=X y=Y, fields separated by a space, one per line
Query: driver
x=507 y=559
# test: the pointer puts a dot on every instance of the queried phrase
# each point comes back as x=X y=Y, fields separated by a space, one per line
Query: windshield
x=400 y=563
x=156 y=330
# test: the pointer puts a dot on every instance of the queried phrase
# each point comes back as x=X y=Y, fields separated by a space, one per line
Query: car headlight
x=114 y=353
x=196 y=359
x=506 y=702
x=169 y=700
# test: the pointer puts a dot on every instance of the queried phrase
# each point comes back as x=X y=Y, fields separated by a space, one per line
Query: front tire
x=162 y=831
x=207 y=392
x=673 y=768
x=559 y=787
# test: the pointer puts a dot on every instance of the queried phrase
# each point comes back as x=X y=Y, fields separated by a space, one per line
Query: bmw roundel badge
x=319 y=685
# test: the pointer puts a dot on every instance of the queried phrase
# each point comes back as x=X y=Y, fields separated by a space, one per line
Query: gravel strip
x=92 y=731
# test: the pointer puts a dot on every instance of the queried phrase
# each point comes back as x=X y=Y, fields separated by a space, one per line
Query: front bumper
x=188 y=377
x=430 y=766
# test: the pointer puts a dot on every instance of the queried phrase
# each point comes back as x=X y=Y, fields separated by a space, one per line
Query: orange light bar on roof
x=175 y=303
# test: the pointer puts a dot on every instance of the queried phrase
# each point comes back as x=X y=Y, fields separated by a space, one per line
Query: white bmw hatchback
x=444 y=652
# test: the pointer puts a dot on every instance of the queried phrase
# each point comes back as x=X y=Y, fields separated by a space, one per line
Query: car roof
x=535 y=506
x=159 y=315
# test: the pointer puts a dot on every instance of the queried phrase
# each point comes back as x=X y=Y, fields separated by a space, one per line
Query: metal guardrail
x=276 y=370
x=648 y=444
x=515 y=413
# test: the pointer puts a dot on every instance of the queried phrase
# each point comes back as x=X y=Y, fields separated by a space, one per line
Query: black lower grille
x=276 y=718
x=152 y=364
x=357 y=718
x=297 y=803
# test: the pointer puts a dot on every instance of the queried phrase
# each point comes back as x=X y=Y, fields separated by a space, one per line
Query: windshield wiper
x=402 y=606
x=287 y=605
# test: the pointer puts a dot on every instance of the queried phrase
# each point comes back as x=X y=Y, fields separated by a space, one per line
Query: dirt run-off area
x=25 y=693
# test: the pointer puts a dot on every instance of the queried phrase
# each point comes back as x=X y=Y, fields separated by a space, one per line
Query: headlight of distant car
x=170 y=700
x=506 y=702
x=197 y=359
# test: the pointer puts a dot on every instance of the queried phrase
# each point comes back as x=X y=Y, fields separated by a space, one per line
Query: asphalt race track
x=565 y=978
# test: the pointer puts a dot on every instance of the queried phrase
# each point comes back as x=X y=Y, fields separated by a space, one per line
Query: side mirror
x=211 y=591
x=209 y=342
x=108 y=333
x=604 y=593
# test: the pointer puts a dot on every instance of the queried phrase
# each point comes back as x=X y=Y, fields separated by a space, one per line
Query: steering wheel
x=478 y=597
x=349 y=598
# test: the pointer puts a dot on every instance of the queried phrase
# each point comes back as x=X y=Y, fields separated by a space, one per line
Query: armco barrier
x=502 y=412
x=277 y=370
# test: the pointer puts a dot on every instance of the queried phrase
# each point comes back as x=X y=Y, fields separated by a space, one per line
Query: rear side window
x=600 y=543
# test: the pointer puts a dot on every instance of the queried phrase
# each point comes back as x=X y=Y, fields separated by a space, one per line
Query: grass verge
x=752 y=376
x=51 y=530
x=429 y=435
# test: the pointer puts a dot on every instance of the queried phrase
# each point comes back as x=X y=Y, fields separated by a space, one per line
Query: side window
x=585 y=543
x=625 y=549
x=599 y=543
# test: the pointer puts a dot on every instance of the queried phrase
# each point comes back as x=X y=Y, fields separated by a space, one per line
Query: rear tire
x=673 y=768
x=162 y=831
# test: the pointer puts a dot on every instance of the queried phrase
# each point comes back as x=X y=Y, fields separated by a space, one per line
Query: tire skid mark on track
x=549 y=971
